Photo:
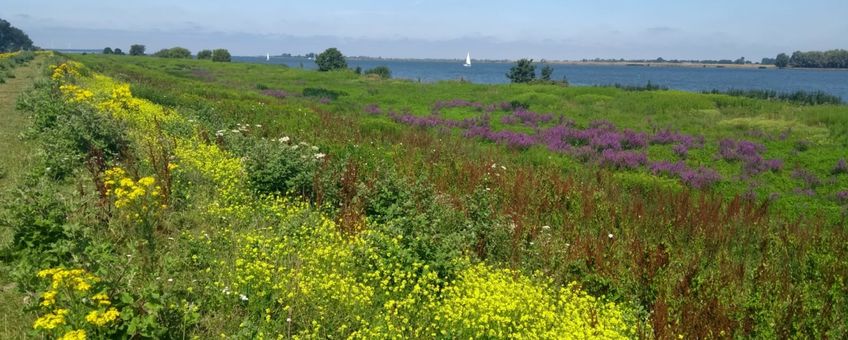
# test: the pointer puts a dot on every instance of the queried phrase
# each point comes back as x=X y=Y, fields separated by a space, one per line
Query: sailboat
x=267 y=56
x=467 y=60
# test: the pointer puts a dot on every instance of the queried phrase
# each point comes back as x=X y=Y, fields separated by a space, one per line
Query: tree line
x=818 y=59
x=13 y=39
x=220 y=54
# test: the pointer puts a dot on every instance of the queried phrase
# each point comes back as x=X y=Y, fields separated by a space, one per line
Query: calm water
x=681 y=78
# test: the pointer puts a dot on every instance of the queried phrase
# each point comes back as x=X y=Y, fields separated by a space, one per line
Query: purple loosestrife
x=842 y=196
x=276 y=93
x=840 y=168
x=696 y=178
x=680 y=150
x=618 y=159
x=808 y=177
x=373 y=109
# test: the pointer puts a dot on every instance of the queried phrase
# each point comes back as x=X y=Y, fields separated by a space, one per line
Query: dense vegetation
x=173 y=52
x=13 y=39
x=328 y=204
x=818 y=59
x=800 y=97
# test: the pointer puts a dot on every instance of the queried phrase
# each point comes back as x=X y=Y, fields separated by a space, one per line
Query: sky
x=494 y=29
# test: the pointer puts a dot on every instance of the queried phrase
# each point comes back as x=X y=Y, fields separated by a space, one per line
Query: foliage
x=547 y=71
x=137 y=49
x=108 y=50
x=221 y=55
x=331 y=59
x=382 y=71
x=173 y=52
x=522 y=72
x=204 y=54
x=13 y=39
x=818 y=59
x=118 y=51
x=782 y=60
x=801 y=97
x=322 y=93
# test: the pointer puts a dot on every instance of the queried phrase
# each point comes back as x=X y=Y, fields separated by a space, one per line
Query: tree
x=221 y=54
x=174 y=52
x=137 y=49
x=522 y=72
x=331 y=59
x=382 y=71
x=204 y=54
x=782 y=60
x=13 y=39
x=118 y=51
x=108 y=50
x=547 y=71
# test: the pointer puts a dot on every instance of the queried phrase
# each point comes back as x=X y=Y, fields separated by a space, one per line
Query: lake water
x=681 y=78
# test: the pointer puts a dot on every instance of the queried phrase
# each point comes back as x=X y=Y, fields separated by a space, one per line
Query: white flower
x=494 y=165
x=170 y=280
x=503 y=167
x=546 y=227
x=259 y=125
x=610 y=235
x=235 y=131
x=243 y=297
x=226 y=290
x=288 y=319
x=319 y=155
x=314 y=148
x=285 y=139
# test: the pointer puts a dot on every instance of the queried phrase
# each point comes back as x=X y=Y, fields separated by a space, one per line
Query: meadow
x=181 y=198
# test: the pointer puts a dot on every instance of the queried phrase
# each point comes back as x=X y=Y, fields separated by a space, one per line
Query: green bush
x=137 y=49
x=221 y=55
x=204 y=54
x=331 y=59
x=174 y=52
x=382 y=71
x=322 y=93
x=281 y=167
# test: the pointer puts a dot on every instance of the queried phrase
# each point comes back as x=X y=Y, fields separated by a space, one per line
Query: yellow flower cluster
x=69 y=293
x=120 y=100
x=225 y=172
x=139 y=198
x=491 y=303
x=76 y=94
x=78 y=334
x=51 y=320
x=8 y=55
x=77 y=279
x=66 y=72
x=101 y=318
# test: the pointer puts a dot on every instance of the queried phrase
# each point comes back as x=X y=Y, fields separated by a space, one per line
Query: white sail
x=267 y=56
x=467 y=60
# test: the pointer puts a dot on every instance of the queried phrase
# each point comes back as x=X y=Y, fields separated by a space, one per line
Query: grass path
x=15 y=156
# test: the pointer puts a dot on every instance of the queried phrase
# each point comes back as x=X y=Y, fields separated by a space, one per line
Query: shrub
x=382 y=71
x=174 y=52
x=331 y=59
x=204 y=54
x=118 y=51
x=108 y=50
x=281 y=166
x=522 y=72
x=322 y=93
x=137 y=49
x=221 y=55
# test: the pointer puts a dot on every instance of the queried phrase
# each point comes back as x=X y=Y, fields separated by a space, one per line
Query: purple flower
x=842 y=196
x=841 y=167
x=680 y=150
x=809 y=178
x=373 y=109
x=618 y=159
x=696 y=178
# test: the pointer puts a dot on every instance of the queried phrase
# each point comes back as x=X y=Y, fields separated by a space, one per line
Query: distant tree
x=382 y=71
x=547 y=71
x=13 y=39
x=108 y=50
x=782 y=60
x=137 y=49
x=174 y=52
x=204 y=54
x=660 y=60
x=358 y=70
x=767 y=61
x=331 y=59
x=739 y=61
x=221 y=54
x=522 y=72
x=118 y=51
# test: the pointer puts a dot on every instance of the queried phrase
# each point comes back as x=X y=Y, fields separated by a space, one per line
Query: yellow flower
x=49 y=298
x=52 y=320
x=99 y=319
x=78 y=334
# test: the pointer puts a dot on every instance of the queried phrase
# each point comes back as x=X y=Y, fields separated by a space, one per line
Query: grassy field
x=14 y=161
x=257 y=200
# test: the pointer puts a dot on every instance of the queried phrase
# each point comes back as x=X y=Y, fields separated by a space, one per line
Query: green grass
x=691 y=262
x=14 y=162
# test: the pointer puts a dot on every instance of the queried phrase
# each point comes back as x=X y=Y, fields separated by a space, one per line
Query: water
x=695 y=79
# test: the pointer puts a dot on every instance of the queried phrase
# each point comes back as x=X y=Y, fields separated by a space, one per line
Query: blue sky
x=444 y=29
